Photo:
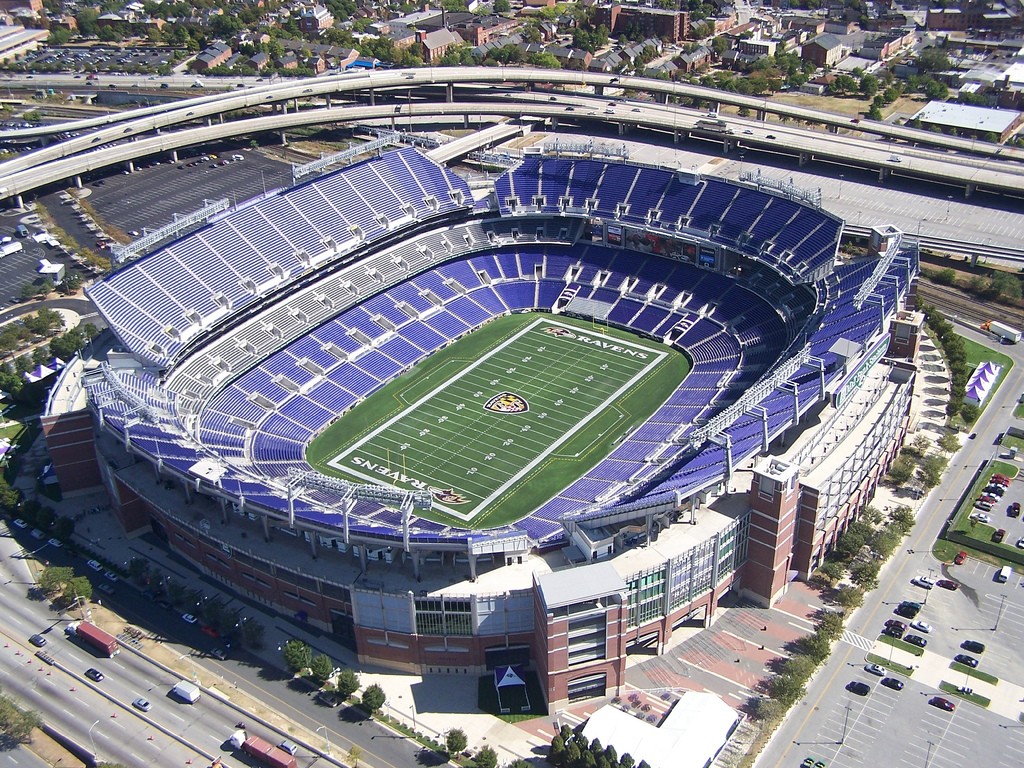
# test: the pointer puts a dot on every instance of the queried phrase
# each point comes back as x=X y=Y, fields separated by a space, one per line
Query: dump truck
x=1004 y=332
x=263 y=751
x=88 y=633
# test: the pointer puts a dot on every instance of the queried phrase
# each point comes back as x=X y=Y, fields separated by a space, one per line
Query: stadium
x=546 y=422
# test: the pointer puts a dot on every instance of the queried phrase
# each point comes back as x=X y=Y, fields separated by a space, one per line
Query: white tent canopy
x=692 y=735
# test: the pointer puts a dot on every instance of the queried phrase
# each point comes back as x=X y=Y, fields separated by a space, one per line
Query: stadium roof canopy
x=691 y=736
x=576 y=585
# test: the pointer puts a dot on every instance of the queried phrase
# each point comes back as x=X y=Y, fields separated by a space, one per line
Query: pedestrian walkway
x=858 y=641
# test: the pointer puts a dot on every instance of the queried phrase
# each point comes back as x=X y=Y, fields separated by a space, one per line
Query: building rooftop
x=566 y=587
x=966 y=116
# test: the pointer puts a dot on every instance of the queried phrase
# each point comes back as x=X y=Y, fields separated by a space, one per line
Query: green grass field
x=504 y=419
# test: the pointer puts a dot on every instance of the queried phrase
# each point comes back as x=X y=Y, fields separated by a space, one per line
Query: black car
x=907 y=611
x=94 y=674
x=917 y=640
x=892 y=682
x=973 y=646
x=894 y=631
x=37 y=640
x=861 y=689
x=967 y=661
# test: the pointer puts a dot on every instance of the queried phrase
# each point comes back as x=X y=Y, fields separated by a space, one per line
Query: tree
x=785 y=689
x=252 y=633
x=931 y=469
x=348 y=683
x=79 y=588
x=322 y=667
x=455 y=742
x=1005 y=284
x=903 y=518
x=865 y=574
x=572 y=754
x=501 y=6
x=487 y=758
x=901 y=470
x=850 y=597
x=869 y=85
x=829 y=573
x=933 y=60
x=297 y=655
x=355 y=753
x=949 y=442
x=374 y=698
x=53 y=579
x=831 y=625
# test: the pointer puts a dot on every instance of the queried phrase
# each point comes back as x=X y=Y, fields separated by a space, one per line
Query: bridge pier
x=284 y=107
x=373 y=98
x=599 y=90
x=295 y=104
x=209 y=121
x=883 y=173
x=327 y=99
x=760 y=115
x=78 y=182
x=623 y=129
x=833 y=129
x=131 y=166
x=554 y=123
x=174 y=155
x=449 y=93
x=465 y=122
x=284 y=139
x=970 y=189
x=19 y=201
x=804 y=159
x=663 y=98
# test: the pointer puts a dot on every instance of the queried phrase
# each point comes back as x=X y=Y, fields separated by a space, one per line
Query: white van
x=1003 y=574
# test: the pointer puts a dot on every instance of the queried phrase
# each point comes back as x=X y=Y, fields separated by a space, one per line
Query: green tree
x=322 y=667
x=865 y=574
x=501 y=6
x=252 y=632
x=348 y=683
x=831 y=625
x=949 y=442
x=816 y=646
x=374 y=698
x=829 y=573
x=850 y=597
x=901 y=470
x=931 y=469
x=869 y=85
x=903 y=518
x=297 y=655
x=785 y=689
x=355 y=754
x=1005 y=284
x=488 y=758
x=455 y=742
x=53 y=579
x=933 y=60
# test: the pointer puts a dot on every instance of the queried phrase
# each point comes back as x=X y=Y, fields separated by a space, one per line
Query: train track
x=960 y=307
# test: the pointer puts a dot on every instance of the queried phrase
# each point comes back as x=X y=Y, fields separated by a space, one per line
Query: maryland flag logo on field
x=447 y=496
x=563 y=333
x=507 y=402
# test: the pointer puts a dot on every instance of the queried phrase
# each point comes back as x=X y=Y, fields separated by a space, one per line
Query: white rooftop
x=691 y=736
x=967 y=116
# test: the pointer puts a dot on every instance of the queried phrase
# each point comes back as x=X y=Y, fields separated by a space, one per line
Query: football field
x=532 y=404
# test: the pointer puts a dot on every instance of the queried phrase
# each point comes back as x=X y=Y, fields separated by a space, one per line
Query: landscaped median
x=901 y=645
x=972 y=697
x=893 y=666
x=975 y=674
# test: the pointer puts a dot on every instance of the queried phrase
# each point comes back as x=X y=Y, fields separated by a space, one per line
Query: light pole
x=1002 y=605
x=327 y=739
x=91 y=741
x=841 y=177
x=949 y=200
x=195 y=677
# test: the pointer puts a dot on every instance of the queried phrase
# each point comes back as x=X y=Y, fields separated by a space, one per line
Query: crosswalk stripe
x=858 y=641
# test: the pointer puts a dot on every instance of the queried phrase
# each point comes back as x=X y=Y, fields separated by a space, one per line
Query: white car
x=188 y=618
x=95 y=565
x=923 y=582
x=981 y=517
x=921 y=626
x=110 y=575
x=1020 y=543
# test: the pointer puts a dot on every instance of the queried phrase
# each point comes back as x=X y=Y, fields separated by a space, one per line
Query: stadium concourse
x=238 y=346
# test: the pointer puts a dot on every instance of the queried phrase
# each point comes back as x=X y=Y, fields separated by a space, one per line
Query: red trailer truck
x=102 y=641
x=263 y=751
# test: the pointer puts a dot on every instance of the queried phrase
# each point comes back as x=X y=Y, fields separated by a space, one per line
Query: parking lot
x=101 y=59
x=149 y=197
x=900 y=728
x=19 y=269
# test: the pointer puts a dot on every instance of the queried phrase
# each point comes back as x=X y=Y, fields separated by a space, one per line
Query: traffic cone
x=114 y=715
x=73 y=689
x=149 y=738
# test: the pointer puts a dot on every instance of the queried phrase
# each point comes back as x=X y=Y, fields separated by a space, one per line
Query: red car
x=952 y=586
x=960 y=557
x=999 y=535
x=941 y=703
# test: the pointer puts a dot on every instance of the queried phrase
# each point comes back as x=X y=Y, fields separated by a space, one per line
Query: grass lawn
x=976 y=353
x=890 y=665
x=504 y=419
x=487 y=699
x=944 y=550
x=974 y=698
x=974 y=674
x=903 y=646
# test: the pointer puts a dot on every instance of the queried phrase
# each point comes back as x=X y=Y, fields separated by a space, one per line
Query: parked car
x=952 y=586
x=921 y=626
x=941 y=703
x=917 y=640
x=961 y=556
x=896 y=632
x=892 y=682
x=973 y=646
x=981 y=517
x=890 y=623
x=923 y=582
x=874 y=669
x=1015 y=509
x=999 y=535
x=95 y=565
x=861 y=689
x=967 y=661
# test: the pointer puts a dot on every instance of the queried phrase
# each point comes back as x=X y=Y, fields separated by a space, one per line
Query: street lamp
x=327 y=739
x=841 y=177
x=91 y=741
x=195 y=677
